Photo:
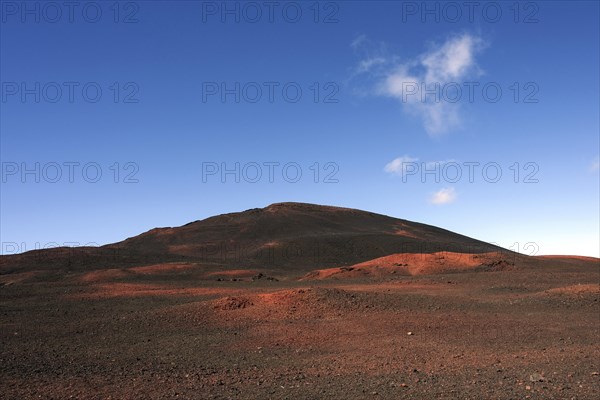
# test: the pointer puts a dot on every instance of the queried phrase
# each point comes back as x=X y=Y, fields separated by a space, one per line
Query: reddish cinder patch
x=415 y=264
x=162 y=268
x=112 y=274
x=11 y=279
x=576 y=289
x=104 y=275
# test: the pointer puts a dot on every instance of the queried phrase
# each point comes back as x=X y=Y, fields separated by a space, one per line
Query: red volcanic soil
x=419 y=264
x=358 y=306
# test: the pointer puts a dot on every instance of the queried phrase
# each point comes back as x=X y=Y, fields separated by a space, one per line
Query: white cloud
x=398 y=165
x=450 y=62
x=595 y=166
x=443 y=196
x=367 y=64
x=373 y=56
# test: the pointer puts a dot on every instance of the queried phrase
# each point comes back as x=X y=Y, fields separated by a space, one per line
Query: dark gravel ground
x=516 y=334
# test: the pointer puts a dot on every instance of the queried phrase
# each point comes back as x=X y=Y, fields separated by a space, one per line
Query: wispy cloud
x=398 y=166
x=595 y=165
x=367 y=64
x=373 y=56
x=443 y=196
x=407 y=81
x=356 y=43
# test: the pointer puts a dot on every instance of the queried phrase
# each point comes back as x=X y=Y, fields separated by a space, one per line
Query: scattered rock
x=535 y=377
x=260 y=276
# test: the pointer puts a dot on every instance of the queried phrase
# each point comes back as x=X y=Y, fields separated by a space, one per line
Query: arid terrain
x=298 y=301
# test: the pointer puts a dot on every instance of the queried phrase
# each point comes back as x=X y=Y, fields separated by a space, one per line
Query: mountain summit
x=294 y=236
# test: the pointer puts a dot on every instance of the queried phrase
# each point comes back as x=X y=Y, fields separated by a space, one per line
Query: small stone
x=535 y=377
x=409 y=333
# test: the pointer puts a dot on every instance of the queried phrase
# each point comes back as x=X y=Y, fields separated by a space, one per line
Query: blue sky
x=168 y=122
